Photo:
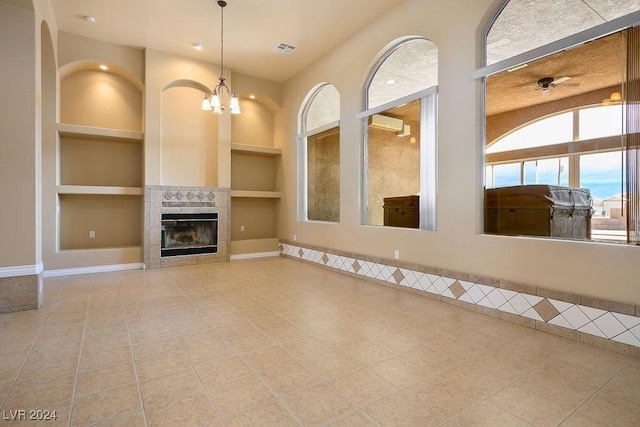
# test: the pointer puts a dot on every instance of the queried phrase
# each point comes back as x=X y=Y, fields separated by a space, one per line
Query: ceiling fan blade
x=560 y=80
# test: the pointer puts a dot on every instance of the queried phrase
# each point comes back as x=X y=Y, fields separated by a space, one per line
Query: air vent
x=284 y=48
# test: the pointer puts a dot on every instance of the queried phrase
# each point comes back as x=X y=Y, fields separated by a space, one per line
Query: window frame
x=302 y=138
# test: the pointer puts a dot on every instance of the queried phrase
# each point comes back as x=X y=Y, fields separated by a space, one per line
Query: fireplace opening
x=189 y=234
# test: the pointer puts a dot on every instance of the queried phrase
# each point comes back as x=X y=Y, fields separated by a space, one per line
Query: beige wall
x=602 y=270
x=19 y=144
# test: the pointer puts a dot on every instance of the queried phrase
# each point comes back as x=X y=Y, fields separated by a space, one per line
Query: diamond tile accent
x=190 y=195
x=575 y=317
x=609 y=325
x=178 y=195
x=546 y=310
x=456 y=289
x=398 y=276
x=614 y=326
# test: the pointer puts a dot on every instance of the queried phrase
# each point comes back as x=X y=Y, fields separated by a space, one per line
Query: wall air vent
x=284 y=48
x=385 y=122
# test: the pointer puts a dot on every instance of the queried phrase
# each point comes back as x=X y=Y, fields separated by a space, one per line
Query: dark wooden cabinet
x=538 y=210
x=403 y=211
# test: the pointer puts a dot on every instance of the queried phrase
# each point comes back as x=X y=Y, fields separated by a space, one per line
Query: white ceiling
x=252 y=28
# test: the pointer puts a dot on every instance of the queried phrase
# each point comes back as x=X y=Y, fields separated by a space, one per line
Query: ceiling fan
x=546 y=83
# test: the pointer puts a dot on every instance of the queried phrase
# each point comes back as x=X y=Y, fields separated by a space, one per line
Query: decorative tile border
x=531 y=305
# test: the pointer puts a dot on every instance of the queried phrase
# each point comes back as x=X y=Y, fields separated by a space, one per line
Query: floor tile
x=240 y=395
x=317 y=404
x=222 y=371
x=193 y=409
x=331 y=365
x=363 y=387
x=45 y=395
x=289 y=378
x=150 y=349
x=267 y=358
x=105 y=405
x=162 y=365
x=366 y=353
x=104 y=379
x=402 y=409
x=530 y=406
x=305 y=348
x=400 y=372
x=354 y=419
x=160 y=390
x=606 y=407
x=209 y=352
x=489 y=415
x=271 y=413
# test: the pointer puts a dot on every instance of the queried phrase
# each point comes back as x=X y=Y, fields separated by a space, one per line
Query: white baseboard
x=95 y=269
x=254 y=255
x=21 y=270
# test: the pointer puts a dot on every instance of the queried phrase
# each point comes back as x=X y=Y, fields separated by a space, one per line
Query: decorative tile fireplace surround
x=159 y=200
x=606 y=324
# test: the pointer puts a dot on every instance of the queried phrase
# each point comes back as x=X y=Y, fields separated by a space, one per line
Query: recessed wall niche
x=189 y=139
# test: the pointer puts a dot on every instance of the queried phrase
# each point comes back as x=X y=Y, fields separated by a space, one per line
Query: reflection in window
x=411 y=67
x=400 y=137
x=601 y=173
x=319 y=156
x=548 y=131
x=323 y=176
x=599 y=122
x=523 y=25
x=547 y=171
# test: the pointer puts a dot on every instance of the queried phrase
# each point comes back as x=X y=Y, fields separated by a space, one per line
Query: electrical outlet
x=294 y=237
x=396 y=254
x=242 y=228
x=92 y=234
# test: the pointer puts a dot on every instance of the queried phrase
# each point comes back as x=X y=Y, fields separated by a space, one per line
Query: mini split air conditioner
x=387 y=123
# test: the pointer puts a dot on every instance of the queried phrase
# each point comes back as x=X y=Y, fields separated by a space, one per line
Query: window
x=319 y=156
x=552 y=117
x=399 y=170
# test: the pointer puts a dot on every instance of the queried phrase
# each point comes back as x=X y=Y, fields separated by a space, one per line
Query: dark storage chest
x=538 y=210
x=402 y=211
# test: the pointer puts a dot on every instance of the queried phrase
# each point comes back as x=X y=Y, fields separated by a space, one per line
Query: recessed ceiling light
x=90 y=19
x=391 y=82
x=252 y=96
x=103 y=67
x=519 y=67
x=197 y=46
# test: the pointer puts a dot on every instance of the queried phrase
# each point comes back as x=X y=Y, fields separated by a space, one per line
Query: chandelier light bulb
x=206 y=105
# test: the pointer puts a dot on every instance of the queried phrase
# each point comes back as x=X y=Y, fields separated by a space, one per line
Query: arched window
x=319 y=156
x=400 y=136
x=553 y=117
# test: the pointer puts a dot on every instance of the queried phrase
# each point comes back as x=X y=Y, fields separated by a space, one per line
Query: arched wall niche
x=189 y=136
x=111 y=98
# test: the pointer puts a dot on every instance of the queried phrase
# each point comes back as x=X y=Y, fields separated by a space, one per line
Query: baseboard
x=21 y=270
x=94 y=269
x=255 y=255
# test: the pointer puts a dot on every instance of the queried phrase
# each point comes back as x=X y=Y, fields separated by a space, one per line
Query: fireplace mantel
x=159 y=199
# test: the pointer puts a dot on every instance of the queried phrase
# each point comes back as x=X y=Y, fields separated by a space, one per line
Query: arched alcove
x=91 y=96
x=189 y=138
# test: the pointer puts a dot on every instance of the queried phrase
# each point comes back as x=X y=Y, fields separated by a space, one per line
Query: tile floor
x=279 y=342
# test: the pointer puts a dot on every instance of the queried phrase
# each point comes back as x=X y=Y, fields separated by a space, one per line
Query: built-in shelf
x=257 y=194
x=65 y=129
x=256 y=149
x=100 y=190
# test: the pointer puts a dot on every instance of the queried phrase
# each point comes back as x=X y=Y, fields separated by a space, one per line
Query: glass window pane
x=599 y=122
x=547 y=171
x=601 y=173
x=506 y=175
x=324 y=108
x=393 y=166
x=524 y=24
x=488 y=176
x=323 y=176
x=551 y=130
x=410 y=68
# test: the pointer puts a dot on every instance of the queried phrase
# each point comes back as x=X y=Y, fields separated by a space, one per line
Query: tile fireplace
x=186 y=225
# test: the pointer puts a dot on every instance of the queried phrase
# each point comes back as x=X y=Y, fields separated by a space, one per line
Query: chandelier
x=222 y=97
